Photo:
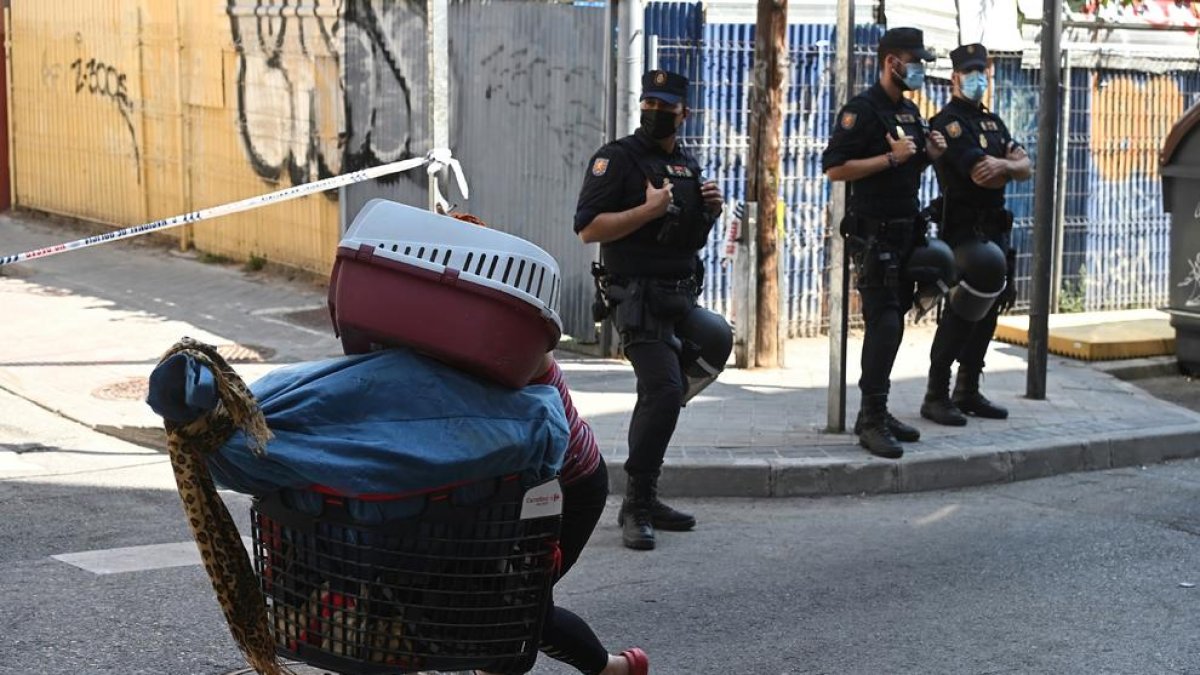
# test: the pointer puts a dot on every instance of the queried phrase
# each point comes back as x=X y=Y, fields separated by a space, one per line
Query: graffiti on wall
x=91 y=76
x=297 y=114
x=527 y=80
x=1125 y=144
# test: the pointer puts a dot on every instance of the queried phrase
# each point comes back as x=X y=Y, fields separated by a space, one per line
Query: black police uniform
x=649 y=282
x=968 y=213
x=882 y=226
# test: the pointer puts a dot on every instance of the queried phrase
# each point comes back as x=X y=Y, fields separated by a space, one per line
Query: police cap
x=665 y=86
x=911 y=40
x=969 y=57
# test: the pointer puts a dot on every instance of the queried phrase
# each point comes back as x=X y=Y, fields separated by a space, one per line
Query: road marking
x=136 y=558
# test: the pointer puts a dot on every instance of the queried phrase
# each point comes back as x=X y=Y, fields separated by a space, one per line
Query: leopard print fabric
x=216 y=536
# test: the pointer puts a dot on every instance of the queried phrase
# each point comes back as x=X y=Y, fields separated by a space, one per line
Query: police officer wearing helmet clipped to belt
x=880 y=146
x=980 y=160
x=644 y=201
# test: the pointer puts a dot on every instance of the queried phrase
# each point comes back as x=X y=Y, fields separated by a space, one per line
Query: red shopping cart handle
x=335 y=497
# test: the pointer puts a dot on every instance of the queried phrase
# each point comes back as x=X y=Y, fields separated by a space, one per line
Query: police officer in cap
x=645 y=202
x=980 y=160
x=880 y=146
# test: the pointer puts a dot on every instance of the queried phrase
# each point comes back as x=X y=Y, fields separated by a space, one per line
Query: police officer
x=880 y=146
x=980 y=160
x=644 y=201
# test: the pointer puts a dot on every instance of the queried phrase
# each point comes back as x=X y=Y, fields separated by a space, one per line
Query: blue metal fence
x=1114 y=242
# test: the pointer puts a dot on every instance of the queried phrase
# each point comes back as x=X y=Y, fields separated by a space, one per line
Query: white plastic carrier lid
x=481 y=255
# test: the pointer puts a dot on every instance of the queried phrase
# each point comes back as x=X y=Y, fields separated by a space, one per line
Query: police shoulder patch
x=600 y=166
x=954 y=129
x=849 y=119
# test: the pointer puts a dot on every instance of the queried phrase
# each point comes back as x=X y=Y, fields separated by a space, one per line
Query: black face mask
x=658 y=124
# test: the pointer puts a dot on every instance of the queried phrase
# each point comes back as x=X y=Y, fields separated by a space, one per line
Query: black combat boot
x=969 y=400
x=875 y=435
x=900 y=430
x=663 y=517
x=937 y=405
x=637 y=527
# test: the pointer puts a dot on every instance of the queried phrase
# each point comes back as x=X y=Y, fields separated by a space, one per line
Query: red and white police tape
x=436 y=160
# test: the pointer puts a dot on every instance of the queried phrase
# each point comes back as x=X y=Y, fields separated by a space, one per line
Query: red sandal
x=639 y=663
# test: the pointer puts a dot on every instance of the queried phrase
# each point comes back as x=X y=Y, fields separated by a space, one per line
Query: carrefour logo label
x=542 y=501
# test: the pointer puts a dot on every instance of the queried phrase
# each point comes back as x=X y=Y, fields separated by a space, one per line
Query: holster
x=601 y=308
x=878 y=246
x=646 y=309
x=878 y=264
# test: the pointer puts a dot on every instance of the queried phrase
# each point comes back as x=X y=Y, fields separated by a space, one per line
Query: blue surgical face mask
x=974 y=85
x=913 y=77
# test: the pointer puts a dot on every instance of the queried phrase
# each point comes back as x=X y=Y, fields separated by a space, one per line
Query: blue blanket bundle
x=387 y=423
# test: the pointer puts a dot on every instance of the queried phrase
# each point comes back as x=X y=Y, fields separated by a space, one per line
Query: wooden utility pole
x=839 y=275
x=766 y=125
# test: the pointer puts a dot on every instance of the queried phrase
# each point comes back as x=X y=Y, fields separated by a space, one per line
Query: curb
x=918 y=472
x=1131 y=370
x=923 y=472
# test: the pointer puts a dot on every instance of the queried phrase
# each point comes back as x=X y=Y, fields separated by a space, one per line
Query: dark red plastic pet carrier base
x=457 y=587
x=480 y=330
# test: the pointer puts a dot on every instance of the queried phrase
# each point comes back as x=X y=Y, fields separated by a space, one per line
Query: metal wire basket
x=456 y=587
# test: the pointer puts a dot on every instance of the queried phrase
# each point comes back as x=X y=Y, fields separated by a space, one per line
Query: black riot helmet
x=933 y=269
x=707 y=342
x=982 y=270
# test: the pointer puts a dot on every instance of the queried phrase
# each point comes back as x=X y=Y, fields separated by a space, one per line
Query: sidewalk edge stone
x=809 y=478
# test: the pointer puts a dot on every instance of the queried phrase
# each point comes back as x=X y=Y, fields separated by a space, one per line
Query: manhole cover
x=132 y=389
x=235 y=353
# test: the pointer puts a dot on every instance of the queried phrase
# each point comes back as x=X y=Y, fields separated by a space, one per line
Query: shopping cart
x=451 y=580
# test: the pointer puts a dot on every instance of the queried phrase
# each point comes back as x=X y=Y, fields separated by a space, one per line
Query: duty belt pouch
x=634 y=317
x=627 y=301
x=669 y=300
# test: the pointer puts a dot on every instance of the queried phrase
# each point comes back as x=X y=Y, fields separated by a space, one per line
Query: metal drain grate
x=136 y=388
x=236 y=353
x=131 y=389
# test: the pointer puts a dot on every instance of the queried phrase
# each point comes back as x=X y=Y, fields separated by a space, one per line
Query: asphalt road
x=1084 y=573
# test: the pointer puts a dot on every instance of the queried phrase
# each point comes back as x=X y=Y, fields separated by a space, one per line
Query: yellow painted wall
x=126 y=111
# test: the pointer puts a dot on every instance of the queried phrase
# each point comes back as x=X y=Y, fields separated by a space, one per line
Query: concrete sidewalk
x=82 y=330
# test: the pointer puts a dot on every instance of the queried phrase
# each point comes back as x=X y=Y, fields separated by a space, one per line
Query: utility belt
x=899 y=231
x=878 y=246
x=961 y=220
x=644 y=309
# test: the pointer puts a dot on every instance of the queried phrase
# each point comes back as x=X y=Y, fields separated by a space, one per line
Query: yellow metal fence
x=128 y=111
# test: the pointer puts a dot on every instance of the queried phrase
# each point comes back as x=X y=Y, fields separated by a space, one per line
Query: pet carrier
x=479 y=299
